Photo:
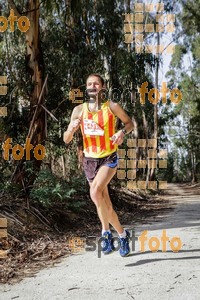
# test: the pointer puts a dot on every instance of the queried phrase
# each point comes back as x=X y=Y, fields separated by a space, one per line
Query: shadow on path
x=147 y=261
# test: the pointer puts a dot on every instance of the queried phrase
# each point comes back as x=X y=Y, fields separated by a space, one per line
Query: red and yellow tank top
x=97 y=128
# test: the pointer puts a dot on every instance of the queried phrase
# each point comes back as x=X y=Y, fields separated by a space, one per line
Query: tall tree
x=35 y=67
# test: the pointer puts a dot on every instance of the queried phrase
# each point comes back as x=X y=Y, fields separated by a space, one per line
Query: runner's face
x=93 y=85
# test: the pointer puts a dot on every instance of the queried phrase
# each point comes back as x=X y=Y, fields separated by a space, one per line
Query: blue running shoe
x=107 y=243
x=124 y=245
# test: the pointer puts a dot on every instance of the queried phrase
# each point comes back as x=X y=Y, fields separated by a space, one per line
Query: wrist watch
x=124 y=131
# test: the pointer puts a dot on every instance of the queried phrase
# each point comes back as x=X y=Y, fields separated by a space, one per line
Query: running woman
x=100 y=143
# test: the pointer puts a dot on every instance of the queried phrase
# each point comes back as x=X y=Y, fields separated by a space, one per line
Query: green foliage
x=178 y=56
x=49 y=190
x=11 y=189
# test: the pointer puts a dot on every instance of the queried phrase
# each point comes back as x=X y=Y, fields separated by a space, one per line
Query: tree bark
x=194 y=177
x=35 y=67
x=155 y=134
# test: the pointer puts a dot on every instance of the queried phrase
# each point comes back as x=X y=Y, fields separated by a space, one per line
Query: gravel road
x=141 y=275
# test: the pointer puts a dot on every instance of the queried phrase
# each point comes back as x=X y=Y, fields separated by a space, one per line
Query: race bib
x=92 y=128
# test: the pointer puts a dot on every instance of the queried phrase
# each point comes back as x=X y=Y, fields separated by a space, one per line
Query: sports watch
x=124 y=131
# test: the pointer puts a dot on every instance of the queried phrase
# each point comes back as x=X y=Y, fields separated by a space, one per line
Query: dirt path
x=141 y=275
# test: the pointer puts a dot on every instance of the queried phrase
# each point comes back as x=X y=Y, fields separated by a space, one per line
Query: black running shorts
x=92 y=165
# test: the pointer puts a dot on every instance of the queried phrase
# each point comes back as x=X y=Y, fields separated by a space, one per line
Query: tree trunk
x=155 y=134
x=35 y=68
x=145 y=129
x=194 y=177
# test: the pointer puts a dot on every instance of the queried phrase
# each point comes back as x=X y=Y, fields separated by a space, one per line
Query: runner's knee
x=96 y=194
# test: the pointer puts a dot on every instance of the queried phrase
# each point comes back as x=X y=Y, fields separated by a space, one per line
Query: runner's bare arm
x=73 y=125
x=122 y=115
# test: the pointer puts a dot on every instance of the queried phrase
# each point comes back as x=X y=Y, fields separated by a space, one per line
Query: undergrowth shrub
x=50 y=190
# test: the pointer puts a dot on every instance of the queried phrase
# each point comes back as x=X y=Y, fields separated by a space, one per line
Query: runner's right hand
x=74 y=125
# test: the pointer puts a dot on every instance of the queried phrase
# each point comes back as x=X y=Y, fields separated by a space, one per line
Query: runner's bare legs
x=100 y=196
x=112 y=216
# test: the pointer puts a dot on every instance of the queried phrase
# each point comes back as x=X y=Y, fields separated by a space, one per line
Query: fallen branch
x=39 y=252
